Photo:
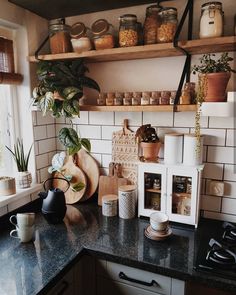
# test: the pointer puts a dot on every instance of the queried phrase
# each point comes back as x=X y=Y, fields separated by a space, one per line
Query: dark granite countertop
x=33 y=267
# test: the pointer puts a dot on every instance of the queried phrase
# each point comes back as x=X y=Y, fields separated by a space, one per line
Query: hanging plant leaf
x=88 y=82
x=86 y=144
x=74 y=150
x=69 y=137
x=58 y=160
x=70 y=92
x=46 y=102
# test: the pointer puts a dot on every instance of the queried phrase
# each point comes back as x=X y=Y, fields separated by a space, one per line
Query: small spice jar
x=118 y=100
x=151 y=24
x=136 y=99
x=59 y=37
x=101 y=101
x=79 y=38
x=109 y=205
x=103 y=34
x=212 y=20
x=110 y=98
x=127 y=201
x=172 y=97
x=165 y=97
x=155 y=97
x=168 y=24
x=145 y=99
x=127 y=100
x=190 y=86
x=128 y=31
x=185 y=97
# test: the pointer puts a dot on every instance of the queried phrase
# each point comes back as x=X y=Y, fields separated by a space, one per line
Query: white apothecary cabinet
x=172 y=189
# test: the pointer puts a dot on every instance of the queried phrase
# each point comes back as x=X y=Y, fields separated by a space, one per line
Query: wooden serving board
x=125 y=152
x=90 y=168
x=77 y=174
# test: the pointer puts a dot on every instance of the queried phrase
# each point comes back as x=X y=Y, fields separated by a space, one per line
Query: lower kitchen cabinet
x=65 y=286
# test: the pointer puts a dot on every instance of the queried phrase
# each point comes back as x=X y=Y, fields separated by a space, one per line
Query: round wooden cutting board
x=77 y=174
x=90 y=167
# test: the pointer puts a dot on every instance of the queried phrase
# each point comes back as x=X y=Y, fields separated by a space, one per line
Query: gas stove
x=218 y=253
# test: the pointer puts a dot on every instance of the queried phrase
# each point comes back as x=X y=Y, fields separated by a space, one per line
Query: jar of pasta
x=103 y=34
x=128 y=32
x=151 y=24
x=168 y=24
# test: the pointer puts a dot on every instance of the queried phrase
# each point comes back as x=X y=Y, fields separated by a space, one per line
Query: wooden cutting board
x=77 y=174
x=109 y=184
x=125 y=152
x=90 y=167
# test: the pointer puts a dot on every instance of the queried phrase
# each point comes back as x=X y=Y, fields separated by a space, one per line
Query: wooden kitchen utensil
x=90 y=167
x=77 y=174
x=109 y=184
x=125 y=152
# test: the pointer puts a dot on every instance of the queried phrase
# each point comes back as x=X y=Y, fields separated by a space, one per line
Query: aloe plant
x=19 y=156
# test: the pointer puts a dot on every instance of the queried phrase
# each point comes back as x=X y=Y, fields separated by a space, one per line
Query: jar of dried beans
x=168 y=24
x=128 y=32
x=151 y=24
x=59 y=37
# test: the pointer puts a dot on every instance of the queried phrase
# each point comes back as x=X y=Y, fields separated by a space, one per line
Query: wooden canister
x=127 y=201
x=7 y=186
x=109 y=205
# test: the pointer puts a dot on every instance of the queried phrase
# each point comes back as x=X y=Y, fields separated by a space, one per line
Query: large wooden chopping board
x=125 y=152
x=90 y=167
x=77 y=174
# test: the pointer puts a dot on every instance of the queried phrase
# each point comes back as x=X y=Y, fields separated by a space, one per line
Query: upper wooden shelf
x=220 y=44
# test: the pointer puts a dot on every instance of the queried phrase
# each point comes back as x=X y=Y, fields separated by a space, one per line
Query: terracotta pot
x=216 y=86
x=150 y=150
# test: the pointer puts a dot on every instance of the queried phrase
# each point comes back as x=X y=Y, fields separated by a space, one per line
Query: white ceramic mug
x=23 y=219
x=159 y=221
x=24 y=233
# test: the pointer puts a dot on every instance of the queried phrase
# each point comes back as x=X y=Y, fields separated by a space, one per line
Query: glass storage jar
x=211 y=21
x=128 y=32
x=103 y=34
x=151 y=24
x=59 y=37
x=79 y=38
x=168 y=24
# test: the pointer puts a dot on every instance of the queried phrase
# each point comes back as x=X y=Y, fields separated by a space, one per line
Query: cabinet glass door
x=152 y=191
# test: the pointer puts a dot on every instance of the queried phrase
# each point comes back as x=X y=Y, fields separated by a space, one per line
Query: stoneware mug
x=24 y=233
x=23 y=219
x=159 y=221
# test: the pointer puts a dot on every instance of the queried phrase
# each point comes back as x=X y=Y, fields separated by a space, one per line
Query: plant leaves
x=77 y=187
x=88 y=82
x=46 y=102
x=86 y=144
x=58 y=161
x=75 y=149
x=68 y=137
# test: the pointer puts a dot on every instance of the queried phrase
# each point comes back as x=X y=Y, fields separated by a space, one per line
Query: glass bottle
x=103 y=34
x=79 y=38
x=59 y=37
x=168 y=24
x=128 y=31
x=151 y=24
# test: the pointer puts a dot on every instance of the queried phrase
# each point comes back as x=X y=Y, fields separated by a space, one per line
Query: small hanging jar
x=151 y=24
x=103 y=34
x=212 y=20
x=168 y=24
x=128 y=31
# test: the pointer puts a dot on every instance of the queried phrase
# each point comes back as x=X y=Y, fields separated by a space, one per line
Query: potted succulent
x=149 y=142
x=22 y=161
x=214 y=76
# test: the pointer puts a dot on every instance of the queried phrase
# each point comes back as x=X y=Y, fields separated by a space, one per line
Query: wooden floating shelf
x=209 y=45
x=148 y=108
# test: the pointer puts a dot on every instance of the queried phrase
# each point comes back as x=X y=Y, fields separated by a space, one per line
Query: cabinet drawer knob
x=123 y=276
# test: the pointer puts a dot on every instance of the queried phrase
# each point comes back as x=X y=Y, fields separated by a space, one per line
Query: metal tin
x=109 y=205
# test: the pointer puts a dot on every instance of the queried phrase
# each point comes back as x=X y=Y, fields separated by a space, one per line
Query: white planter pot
x=24 y=179
x=7 y=186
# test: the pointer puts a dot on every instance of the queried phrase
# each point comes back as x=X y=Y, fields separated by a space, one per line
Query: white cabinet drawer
x=117 y=271
x=108 y=287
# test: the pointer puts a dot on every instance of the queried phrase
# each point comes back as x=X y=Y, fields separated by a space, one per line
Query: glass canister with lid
x=211 y=21
x=167 y=25
x=59 y=37
x=80 y=38
x=103 y=34
x=151 y=24
x=128 y=32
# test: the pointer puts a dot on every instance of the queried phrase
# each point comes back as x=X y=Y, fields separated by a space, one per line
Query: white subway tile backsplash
x=36 y=147
x=89 y=131
x=82 y=119
x=44 y=120
x=44 y=174
x=230 y=172
x=34 y=118
x=158 y=119
x=101 y=146
x=214 y=136
x=21 y=202
x=134 y=119
x=187 y=119
x=51 y=131
x=230 y=189
x=228 y=206
x=106 y=159
x=230 y=138
x=97 y=157
x=101 y=118
x=108 y=130
x=42 y=161
x=47 y=145
x=220 y=154
x=210 y=203
x=40 y=132
x=60 y=120
x=220 y=216
x=213 y=171
x=221 y=122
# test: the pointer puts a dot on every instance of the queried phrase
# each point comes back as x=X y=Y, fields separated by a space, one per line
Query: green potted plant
x=22 y=161
x=149 y=142
x=214 y=75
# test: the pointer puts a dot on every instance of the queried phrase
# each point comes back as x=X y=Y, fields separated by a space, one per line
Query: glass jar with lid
x=128 y=32
x=151 y=24
x=211 y=21
x=168 y=24
x=80 y=38
x=103 y=34
x=59 y=37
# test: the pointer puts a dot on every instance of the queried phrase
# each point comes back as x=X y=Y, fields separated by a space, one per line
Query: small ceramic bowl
x=159 y=221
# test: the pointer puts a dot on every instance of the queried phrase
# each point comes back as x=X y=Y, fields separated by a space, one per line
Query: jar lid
x=153 y=8
x=100 y=26
x=109 y=198
x=128 y=17
x=127 y=188
x=212 y=4
x=77 y=30
x=168 y=11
